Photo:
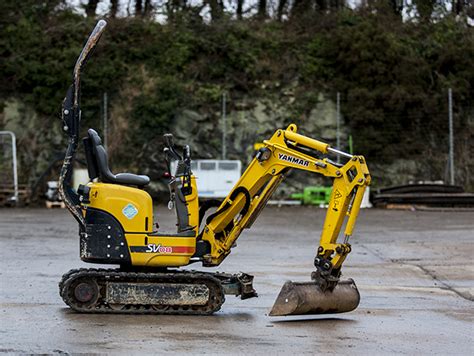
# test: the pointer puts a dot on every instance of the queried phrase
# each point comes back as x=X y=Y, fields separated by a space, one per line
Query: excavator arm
x=284 y=151
x=288 y=150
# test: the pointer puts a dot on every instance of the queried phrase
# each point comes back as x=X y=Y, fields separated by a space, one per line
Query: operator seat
x=98 y=164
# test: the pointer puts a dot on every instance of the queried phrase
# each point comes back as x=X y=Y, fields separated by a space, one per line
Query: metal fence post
x=224 y=128
x=451 y=138
x=105 y=118
x=338 y=124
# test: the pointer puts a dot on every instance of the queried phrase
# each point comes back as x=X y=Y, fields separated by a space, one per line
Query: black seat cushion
x=105 y=174
x=131 y=179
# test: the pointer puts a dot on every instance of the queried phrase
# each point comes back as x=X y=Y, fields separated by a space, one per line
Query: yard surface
x=414 y=271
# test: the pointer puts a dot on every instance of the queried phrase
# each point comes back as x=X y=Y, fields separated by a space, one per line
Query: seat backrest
x=100 y=156
x=92 y=168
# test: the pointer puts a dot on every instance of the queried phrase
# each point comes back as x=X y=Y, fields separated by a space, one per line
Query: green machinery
x=314 y=195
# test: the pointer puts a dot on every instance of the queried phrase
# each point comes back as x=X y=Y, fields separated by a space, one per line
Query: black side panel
x=202 y=248
x=104 y=239
x=182 y=211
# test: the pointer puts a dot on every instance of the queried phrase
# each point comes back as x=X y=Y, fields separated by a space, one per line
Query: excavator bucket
x=303 y=298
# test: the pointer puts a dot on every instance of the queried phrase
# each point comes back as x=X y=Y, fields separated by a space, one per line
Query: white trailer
x=215 y=178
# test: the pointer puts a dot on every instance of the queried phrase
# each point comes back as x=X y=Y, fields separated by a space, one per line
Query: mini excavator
x=115 y=216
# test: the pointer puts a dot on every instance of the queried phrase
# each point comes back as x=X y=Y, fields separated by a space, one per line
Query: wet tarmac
x=414 y=271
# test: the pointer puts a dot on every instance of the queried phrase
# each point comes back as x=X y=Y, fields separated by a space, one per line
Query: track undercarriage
x=168 y=292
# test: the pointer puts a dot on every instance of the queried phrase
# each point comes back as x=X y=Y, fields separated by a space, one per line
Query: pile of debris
x=9 y=198
x=422 y=195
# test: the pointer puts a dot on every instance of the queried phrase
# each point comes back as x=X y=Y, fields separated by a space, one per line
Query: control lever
x=170 y=143
x=187 y=153
x=169 y=139
x=171 y=202
x=172 y=189
x=166 y=151
x=187 y=159
x=171 y=154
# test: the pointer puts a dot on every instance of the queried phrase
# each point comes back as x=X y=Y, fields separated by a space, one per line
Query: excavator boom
x=288 y=150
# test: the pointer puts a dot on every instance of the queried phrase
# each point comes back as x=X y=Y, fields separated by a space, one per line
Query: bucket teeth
x=302 y=298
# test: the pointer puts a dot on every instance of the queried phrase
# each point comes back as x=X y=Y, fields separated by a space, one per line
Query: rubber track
x=101 y=276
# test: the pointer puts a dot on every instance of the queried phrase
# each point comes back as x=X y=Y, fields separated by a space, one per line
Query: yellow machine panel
x=132 y=207
x=192 y=202
x=160 y=251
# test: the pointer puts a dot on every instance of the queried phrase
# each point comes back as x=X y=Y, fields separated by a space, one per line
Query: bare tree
x=425 y=8
x=148 y=8
x=217 y=8
x=173 y=7
x=281 y=9
x=138 y=8
x=397 y=6
x=262 y=8
x=470 y=8
x=460 y=5
x=239 y=11
x=91 y=7
x=302 y=7
x=114 y=7
x=322 y=5
x=336 y=4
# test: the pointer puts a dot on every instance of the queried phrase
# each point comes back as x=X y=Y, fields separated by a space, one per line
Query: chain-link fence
x=404 y=146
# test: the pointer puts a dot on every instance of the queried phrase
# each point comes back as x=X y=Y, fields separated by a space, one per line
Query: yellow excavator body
x=115 y=199
x=115 y=216
x=133 y=209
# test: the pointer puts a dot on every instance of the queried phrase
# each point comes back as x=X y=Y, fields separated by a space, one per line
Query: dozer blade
x=301 y=298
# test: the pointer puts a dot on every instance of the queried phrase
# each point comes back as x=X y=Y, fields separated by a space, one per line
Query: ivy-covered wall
x=392 y=76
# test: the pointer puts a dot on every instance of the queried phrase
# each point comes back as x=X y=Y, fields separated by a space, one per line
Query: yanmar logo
x=292 y=159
